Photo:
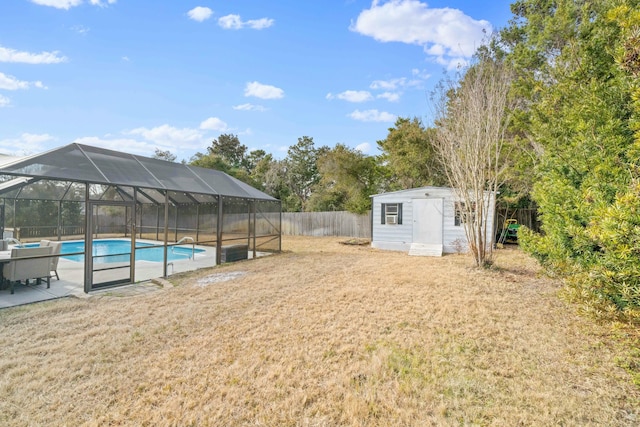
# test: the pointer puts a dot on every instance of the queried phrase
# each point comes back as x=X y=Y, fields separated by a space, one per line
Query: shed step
x=423 y=249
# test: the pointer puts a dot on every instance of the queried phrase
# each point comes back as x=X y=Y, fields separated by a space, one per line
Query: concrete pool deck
x=71 y=283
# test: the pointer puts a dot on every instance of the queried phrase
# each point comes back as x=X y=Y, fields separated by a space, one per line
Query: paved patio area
x=71 y=281
x=26 y=294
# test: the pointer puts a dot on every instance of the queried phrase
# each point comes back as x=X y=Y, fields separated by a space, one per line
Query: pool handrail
x=193 y=245
x=13 y=240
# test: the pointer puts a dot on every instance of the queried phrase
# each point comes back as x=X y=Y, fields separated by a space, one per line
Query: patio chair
x=57 y=246
x=23 y=267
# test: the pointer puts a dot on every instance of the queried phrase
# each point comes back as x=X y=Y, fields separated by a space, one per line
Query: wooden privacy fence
x=338 y=223
x=347 y=224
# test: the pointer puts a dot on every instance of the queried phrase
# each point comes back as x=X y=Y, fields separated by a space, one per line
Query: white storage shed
x=423 y=221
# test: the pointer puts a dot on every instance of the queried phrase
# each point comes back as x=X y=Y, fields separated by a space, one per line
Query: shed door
x=428 y=218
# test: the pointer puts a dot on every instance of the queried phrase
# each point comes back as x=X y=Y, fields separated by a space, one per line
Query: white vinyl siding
x=398 y=236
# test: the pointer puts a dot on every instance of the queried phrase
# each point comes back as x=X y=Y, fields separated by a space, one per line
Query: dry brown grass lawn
x=322 y=335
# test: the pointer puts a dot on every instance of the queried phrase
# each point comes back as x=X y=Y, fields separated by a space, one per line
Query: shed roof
x=84 y=163
x=418 y=189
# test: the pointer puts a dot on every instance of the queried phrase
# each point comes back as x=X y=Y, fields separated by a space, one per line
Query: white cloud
x=200 y=13
x=364 y=148
x=388 y=84
x=58 y=4
x=27 y=143
x=145 y=140
x=128 y=145
x=445 y=33
x=214 y=123
x=11 y=83
x=12 y=55
x=234 y=22
x=80 y=29
x=4 y=101
x=230 y=22
x=372 y=116
x=262 y=91
x=452 y=63
x=390 y=96
x=352 y=96
x=170 y=136
x=259 y=24
x=101 y=3
x=249 y=107
x=31 y=138
x=420 y=74
x=400 y=83
x=435 y=50
x=68 y=4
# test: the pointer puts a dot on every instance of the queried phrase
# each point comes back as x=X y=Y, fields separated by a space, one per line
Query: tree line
x=312 y=178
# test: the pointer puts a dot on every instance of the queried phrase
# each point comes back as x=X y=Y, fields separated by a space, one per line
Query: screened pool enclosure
x=86 y=194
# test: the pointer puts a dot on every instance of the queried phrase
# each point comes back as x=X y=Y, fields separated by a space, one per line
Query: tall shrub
x=582 y=114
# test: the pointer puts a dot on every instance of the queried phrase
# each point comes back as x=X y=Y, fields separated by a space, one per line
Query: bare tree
x=472 y=117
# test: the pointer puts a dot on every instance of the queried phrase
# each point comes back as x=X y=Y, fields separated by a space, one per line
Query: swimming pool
x=118 y=250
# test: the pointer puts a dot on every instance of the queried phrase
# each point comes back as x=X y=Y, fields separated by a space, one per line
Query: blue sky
x=135 y=75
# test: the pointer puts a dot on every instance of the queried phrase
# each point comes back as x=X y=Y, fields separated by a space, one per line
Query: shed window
x=461 y=216
x=391 y=213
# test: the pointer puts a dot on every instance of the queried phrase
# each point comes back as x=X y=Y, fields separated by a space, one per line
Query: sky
x=141 y=75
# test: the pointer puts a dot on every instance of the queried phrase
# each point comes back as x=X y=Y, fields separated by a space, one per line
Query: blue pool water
x=116 y=250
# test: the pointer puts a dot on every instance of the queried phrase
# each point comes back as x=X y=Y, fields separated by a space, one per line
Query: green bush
x=605 y=280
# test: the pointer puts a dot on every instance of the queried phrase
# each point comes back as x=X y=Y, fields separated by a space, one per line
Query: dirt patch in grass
x=323 y=334
x=219 y=277
x=356 y=242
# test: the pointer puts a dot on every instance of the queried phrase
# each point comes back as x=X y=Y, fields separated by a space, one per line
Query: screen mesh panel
x=174 y=176
x=66 y=163
x=83 y=163
x=267 y=227
x=120 y=168
x=220 y=182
